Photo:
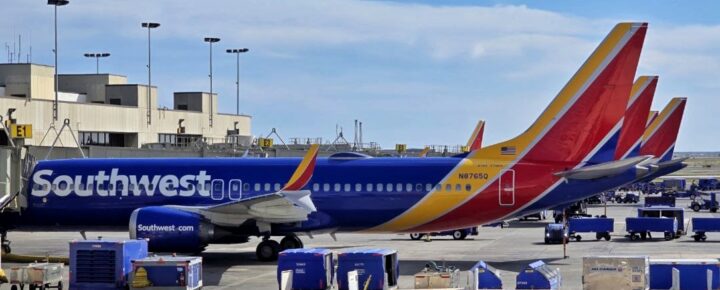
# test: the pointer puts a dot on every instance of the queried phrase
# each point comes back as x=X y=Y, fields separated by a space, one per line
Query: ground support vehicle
x=602 y=227
x=640 y=228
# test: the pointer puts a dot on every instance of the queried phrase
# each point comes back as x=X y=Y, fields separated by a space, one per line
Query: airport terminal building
x=104 y=110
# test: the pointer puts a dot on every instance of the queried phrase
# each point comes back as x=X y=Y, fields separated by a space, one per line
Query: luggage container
x=436 y=277
x=538 y=275
x=704 y=225
x=602 y=227
x=166 y=273
x=677 y=213
x=642 y=227
x=483 y=276
x=103 y=264
x=615 y=272
x=666 y=201
x=37 y=275
x=376 y=268
x=693 y=274
x=311 y=268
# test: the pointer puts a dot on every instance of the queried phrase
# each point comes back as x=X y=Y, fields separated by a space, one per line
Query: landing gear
x=291 y=242
x=267 y=250
x=5 y=243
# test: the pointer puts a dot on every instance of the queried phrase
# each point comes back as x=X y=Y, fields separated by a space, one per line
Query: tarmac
x=507 y=249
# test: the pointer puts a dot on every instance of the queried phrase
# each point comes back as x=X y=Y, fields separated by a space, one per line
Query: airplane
x=659 y=140
x=184 y=204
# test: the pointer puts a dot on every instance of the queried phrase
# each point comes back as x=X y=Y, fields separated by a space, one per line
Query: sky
x=413 y=72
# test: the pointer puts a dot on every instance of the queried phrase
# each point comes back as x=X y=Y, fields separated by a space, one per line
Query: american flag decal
x=507 y=150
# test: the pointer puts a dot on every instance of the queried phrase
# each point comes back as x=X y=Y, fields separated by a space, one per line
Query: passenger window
x=267 y=186
x=389 y=187
x=257 y=187
x=277 y=186
x=458 y=187
x=337 y=187
x=428 y=187
x=438 y=187
x=358 y=187
x=326 y=187
x=448 y=187
x=418 y=187
x=246 y=187
x=468 y=187
x=408 y=187
x=379 y=187
x=369 y=187
x=316 y=187
x=399 y=187
x=347 y=187
x=207 y=186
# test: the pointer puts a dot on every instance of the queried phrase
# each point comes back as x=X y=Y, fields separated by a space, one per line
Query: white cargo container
x=616 y=272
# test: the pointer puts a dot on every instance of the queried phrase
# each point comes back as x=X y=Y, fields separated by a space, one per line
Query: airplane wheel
x=416 y=236
x=459 y=235
x=267 y=250
x=291 y=242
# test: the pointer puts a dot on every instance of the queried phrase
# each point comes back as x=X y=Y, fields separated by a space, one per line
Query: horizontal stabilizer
x=606 y=169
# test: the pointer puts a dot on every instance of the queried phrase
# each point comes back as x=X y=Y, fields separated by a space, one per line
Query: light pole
x=237 y=53
x=211 y=40
x=97 y=57
x=56 y=3
x=149 y=26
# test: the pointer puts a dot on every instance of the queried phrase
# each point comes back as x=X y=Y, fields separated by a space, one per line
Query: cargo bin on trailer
x=103 y=264
x=615 y=272
x=678 y=213
x=378 y=268
x=166 y=273
x=642 y=227
x=693 y=274
x=538 y=275
x=484 y=276
x=602 y=227
x=311 y=268
x=704 y=225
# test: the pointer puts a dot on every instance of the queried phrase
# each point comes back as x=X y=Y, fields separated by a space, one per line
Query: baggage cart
x=377 y=269
x=704 y=225
x=538 y=275
x=691 y=274
x=103 y=264
x=37 y=275
x=484 y=276
x=641 y=228
x=311 y=268
x=615 y=272
x=678 y=213
x=602 y=227
x=166 y=273
x=666 y=201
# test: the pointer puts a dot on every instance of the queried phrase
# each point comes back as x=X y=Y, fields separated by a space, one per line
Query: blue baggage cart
x=538 y=275
x=641 y=227
x=103 y=264
x=704 y=225
x=376 y=268
x=312 y=268
x=678 y=213
x=486 y=277
x=167 y=273
x=666 y=201
x=602 y=227
x=694 y=273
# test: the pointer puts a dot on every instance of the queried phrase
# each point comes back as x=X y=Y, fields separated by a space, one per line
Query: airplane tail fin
x=636 y=117
x=475 y=141
x=587 y=109
x=651 y=117
x=659 y=137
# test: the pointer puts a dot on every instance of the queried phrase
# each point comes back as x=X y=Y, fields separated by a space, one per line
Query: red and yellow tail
x=636 y=117
x=475 y=141
x=660 y=136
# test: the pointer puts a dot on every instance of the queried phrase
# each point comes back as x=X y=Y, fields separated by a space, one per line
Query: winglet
x=304 y=171
x=475 y=141
x=424 y=153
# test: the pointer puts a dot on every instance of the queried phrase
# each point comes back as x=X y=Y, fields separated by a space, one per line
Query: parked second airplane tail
x=636 y=117
x=659 y=137
x=475 y=141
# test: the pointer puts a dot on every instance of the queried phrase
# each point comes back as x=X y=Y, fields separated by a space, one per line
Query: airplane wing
x=290 y=204
x=602 y=170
